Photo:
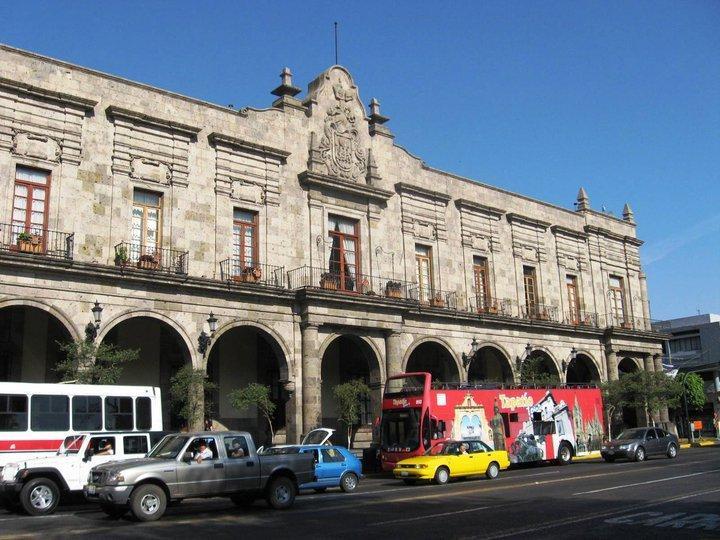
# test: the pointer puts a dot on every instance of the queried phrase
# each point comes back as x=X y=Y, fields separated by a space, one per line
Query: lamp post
x=204 y=339
x=91 y=330
x=467 y=358
x=520 y=359
x=567 y=363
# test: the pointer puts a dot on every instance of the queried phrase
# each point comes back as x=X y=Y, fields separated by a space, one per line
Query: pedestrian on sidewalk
x=716 y=423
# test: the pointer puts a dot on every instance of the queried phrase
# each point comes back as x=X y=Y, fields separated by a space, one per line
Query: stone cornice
x=402 y=187
x=119 y=112
x=512 y=217
x=497 y=213
x=600 y=231
x=219 y=138
x=76 y=101
x=564 y=231
x=318 y=180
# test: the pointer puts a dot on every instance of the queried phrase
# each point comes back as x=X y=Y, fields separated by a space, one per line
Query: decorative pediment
x=423 y=212
x=528 y=237
x=571 y=248
x=479 y=225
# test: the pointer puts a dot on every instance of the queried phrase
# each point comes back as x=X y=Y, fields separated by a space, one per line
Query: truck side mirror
x=88 y=455
x=187 y=457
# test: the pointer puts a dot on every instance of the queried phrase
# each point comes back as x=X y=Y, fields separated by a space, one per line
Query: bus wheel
x=492 y=471
x=442 y=476
x=40 y=496
x=564 y=454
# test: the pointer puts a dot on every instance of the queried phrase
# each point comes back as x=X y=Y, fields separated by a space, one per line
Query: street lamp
x=520 y=359
x=474 y=348
x=567 y=363
x=91 y=330
x=204 y=340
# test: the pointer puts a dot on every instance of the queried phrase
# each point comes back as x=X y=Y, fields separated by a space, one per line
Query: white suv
x=37 y=484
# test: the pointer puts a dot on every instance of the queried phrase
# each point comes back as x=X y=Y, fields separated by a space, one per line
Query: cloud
x=660 y=249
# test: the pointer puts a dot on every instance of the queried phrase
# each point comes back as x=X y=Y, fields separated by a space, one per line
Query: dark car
x=640 y=443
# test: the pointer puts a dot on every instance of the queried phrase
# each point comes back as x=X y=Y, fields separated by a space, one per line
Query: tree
x=534 y=372
x=694 y=389
x=255 y=395
x=613 y=400
x=88 y=363
x=348 y=396
x=189 y=389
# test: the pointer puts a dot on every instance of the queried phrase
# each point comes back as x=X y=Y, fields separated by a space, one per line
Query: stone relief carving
x=150 y=170
x=480 y=243
x=341 y=94
x=340 y=145
x=247 y=191
x=36 y=146
x=424 y=230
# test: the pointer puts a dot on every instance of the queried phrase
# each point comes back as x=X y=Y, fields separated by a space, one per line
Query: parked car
x=453 y=459
x=335 y=466
x=315 y=437
x=37 y=484
x=175 y=469
x=640 y=443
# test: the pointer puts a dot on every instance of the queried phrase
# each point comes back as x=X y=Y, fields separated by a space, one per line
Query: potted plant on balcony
x=393 y=289
x=437 y=300
x=121 y=256
x=29 y=243
x=328 y=281
x=148 y=262
x=249 y=274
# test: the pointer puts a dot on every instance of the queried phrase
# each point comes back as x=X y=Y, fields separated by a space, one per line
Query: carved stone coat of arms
x=340 y=145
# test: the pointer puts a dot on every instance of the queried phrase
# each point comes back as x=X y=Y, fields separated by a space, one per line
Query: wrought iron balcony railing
x=169 y=261
x=580 y=318
x=626 y=322
x=263 y=274
x=21 y=239
x=434 y=297
x=539 y=312
x=491 y=306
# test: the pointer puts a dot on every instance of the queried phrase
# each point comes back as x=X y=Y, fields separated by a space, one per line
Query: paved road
x=657 y=499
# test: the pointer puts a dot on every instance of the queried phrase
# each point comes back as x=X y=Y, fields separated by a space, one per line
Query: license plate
x=91 y=490
x=403 y=473
x=611 y=452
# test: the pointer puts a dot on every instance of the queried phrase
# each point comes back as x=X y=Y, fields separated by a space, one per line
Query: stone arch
x=440 y=345
x=583 y=370
x=58 y=313
x=379 y=356
x=134 y=313
x=502 y=371
x=540 y=367
x=627 y=364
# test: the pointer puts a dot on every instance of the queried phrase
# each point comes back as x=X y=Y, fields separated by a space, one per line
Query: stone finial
x=628 y=214
x=583 y=201
x=286 y=87
x=375 y=116
x=372 y=177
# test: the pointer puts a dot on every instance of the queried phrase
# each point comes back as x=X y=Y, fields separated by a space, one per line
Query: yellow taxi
x=453 y=459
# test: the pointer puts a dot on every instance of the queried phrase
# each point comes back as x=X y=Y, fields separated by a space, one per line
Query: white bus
x=36 y=418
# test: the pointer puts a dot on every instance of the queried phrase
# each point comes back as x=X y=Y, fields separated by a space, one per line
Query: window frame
x=86 y=413
x=143 y=222
x=138 y=400
x=530 y=278
x=27 y=225
x=615 y=293
x=254 y=225
x=143 y=438
x=573 y=301
x=8 y=411
x=425 y=296
x=481 y=280
x=355 y=236
x=33 y=407
x=131 y=414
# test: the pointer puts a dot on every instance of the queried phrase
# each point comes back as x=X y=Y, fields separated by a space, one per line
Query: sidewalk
x=699 y=442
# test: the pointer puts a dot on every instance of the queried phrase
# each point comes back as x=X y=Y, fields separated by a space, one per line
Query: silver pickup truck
x=204 y=464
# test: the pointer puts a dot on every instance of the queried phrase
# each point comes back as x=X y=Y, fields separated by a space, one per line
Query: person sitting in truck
x=105 y=448
x=236 y=451
x=203 y=452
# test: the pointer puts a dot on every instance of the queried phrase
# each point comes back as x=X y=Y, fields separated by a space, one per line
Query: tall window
x=30 y=201
x=531 y=297
x=573 y=299
x=146 y=223
x=423 y=260
x=344 y=253
x=245 y=243
x=617 y=300
x=482 y=283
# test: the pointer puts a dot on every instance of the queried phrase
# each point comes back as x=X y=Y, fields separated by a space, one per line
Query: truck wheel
x=349 y=482
x=442 y=476
x=564 y=454
x=39 y=497
x=148 y=502
x=115 y=512
x=281 y=493
x=493 y=471
x=242 y=500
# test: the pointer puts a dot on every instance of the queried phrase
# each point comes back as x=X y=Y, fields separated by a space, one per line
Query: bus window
x=87 y=413
x=118 y=413
x=426 y=430
x=143 y=414
x=13 y=413
x=49 y=413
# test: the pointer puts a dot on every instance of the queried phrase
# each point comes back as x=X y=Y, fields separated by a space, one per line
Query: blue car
x=335 y=466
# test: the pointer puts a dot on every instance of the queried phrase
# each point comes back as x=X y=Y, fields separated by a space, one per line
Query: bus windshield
x=410 y=385
x=169 y=447
x=401 y=430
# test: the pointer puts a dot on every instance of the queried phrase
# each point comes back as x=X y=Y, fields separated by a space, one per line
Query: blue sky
x=622 y=98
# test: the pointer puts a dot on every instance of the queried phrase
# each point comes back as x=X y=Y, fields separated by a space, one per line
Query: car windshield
x=400 y=430
x=169 y=447
x=451 y=448
x=631 y=434
x=71 y=444
x=315 y=437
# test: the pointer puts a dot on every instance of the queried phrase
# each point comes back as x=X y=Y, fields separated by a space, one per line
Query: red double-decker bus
x=532 y=424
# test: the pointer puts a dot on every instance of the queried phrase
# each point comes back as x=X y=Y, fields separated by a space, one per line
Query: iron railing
x=433 y=297
x=169 y=261
x=539 y=312
x=490 y=306
x=263 y=274
x=580 y=317
x=627 y=322
x=22 y=239
x=319 y=278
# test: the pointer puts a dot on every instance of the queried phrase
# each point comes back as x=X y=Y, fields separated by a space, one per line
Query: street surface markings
x=597 y=515
x=648 y=482
x=679 y=520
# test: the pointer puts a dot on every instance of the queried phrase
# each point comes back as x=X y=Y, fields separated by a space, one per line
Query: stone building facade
x=325 y=251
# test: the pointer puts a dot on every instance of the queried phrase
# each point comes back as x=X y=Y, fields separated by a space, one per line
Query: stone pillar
x=649 y=366
x=311 y=382
x=393 y=356
x=664 y=414
x=612 y=365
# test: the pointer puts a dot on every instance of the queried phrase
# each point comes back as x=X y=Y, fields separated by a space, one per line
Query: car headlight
x=624 y=446
x=421 y=466
x=115 y=478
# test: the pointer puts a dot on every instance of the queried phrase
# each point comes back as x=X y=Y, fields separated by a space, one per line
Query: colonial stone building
x=325 y=251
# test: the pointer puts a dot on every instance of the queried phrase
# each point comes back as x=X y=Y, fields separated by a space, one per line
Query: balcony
x=580 y=317
x=490 y=306
x=156 y=259
x=257 y=274
x=433 y=297
x=36 y=241
x=539 y=312
x=626 y=322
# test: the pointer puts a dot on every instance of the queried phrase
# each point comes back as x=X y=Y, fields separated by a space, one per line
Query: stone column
x=393 y=356
x=612 y=365
x=311 y=382
x=649 y=366
x=664 y=414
